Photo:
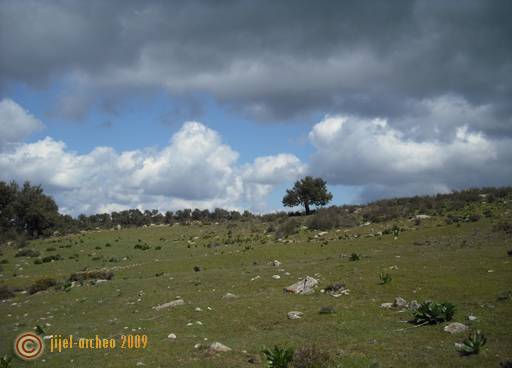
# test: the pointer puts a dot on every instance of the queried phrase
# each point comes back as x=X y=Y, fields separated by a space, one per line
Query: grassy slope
x=359 y=333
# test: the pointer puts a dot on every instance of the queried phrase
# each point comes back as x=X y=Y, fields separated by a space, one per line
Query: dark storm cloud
x=271 y=60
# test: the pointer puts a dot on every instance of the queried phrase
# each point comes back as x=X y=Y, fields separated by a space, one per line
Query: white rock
x=276 y=263
x=171 y=304
x=171 y=336
x=472 y=318
x=304 y=286
x=456 y=327
x=386 y=305
x=217 y=347
x=277 y=277
x=295 y=315
x=230 y=296
x=400 y=302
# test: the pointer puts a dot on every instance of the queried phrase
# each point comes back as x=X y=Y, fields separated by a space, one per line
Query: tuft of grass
x=278 y=357
x=312 y=357
x=385 y=278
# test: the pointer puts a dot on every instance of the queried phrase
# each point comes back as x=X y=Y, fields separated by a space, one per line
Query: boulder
x=304 y=286
x=276 y=263
x=171 y=304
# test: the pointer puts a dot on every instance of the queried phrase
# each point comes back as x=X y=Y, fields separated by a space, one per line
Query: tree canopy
x=307 y=191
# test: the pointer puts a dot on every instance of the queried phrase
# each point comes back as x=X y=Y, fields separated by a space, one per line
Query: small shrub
x=38 y=261
x=158 y=247
x=141 y=246
x=432 y=313
x=503 y=226
x=97 y=247
x=472 y=344
x=327 y=310
x=47 y=259
x=385 y=278
x=51 y=249
x=41 y=285
x=197 y=268
x=6 y=292
x=91 y=275
x=354 y=257
x=474 y=217
x=278 y=357
x=312 y=357
x=288 y=228
x=27 y=253
x=4 y=261
x=107 y=245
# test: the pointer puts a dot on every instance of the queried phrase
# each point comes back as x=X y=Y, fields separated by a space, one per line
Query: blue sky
x=112 y=105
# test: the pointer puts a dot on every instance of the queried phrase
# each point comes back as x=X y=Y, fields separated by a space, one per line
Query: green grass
x=453 y=267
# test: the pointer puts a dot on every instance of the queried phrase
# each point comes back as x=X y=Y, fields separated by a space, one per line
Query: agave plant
x=472 y=344
x=278 y=357
x=385 y=278
x=431 y=313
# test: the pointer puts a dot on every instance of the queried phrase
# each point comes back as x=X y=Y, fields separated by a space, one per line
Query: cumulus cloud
x=382 y=160
x=195 y=170
x=16 y=124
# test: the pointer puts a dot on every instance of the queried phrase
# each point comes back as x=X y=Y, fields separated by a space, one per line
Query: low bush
x=312 y=357
x=6 y=292
x=25 y=252
x=288 y=228
x=47 y=259
x=91 y=275
x=41 y=285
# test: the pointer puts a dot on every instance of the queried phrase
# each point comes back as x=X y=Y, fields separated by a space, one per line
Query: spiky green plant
x=432 y=313
x=354 y=257
x=278 y=357
x=472 y=344
x=385 y=278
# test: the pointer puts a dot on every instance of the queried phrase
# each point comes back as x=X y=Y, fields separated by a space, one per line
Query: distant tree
x=308 y=191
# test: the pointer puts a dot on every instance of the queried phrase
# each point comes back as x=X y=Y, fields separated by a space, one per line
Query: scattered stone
x=400 y=303
x=198 y=309
x=456 y=327
x=422 y=217
x=197 y=346
x=277 y=277
x=336 y=290
x=171 y=304
x=304 y=286
x=217 y=347
x=386 y=305
x=276 y=263
x=230 y=296
x=322 y=233
x=413 y=305
x=255 y=278
x=295 y=315
x=472 y=318
x=171 y=336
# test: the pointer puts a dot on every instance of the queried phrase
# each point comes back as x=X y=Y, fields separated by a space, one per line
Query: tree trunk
x=306 y=206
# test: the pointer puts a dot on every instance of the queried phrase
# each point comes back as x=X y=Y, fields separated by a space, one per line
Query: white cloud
x=16 y=124
x=195 y=170
x=384 y=161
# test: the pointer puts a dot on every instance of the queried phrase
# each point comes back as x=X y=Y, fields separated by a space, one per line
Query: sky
x=111 y=105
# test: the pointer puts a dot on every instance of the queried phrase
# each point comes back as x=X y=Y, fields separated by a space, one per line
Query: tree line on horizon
x=27 y=212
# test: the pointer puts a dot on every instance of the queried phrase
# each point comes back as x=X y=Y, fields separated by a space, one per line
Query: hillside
x=445 y=249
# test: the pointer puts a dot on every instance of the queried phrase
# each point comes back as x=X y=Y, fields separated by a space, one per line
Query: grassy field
x=464 y=264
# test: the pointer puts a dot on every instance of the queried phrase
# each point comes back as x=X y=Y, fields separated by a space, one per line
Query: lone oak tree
x=307 y=191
